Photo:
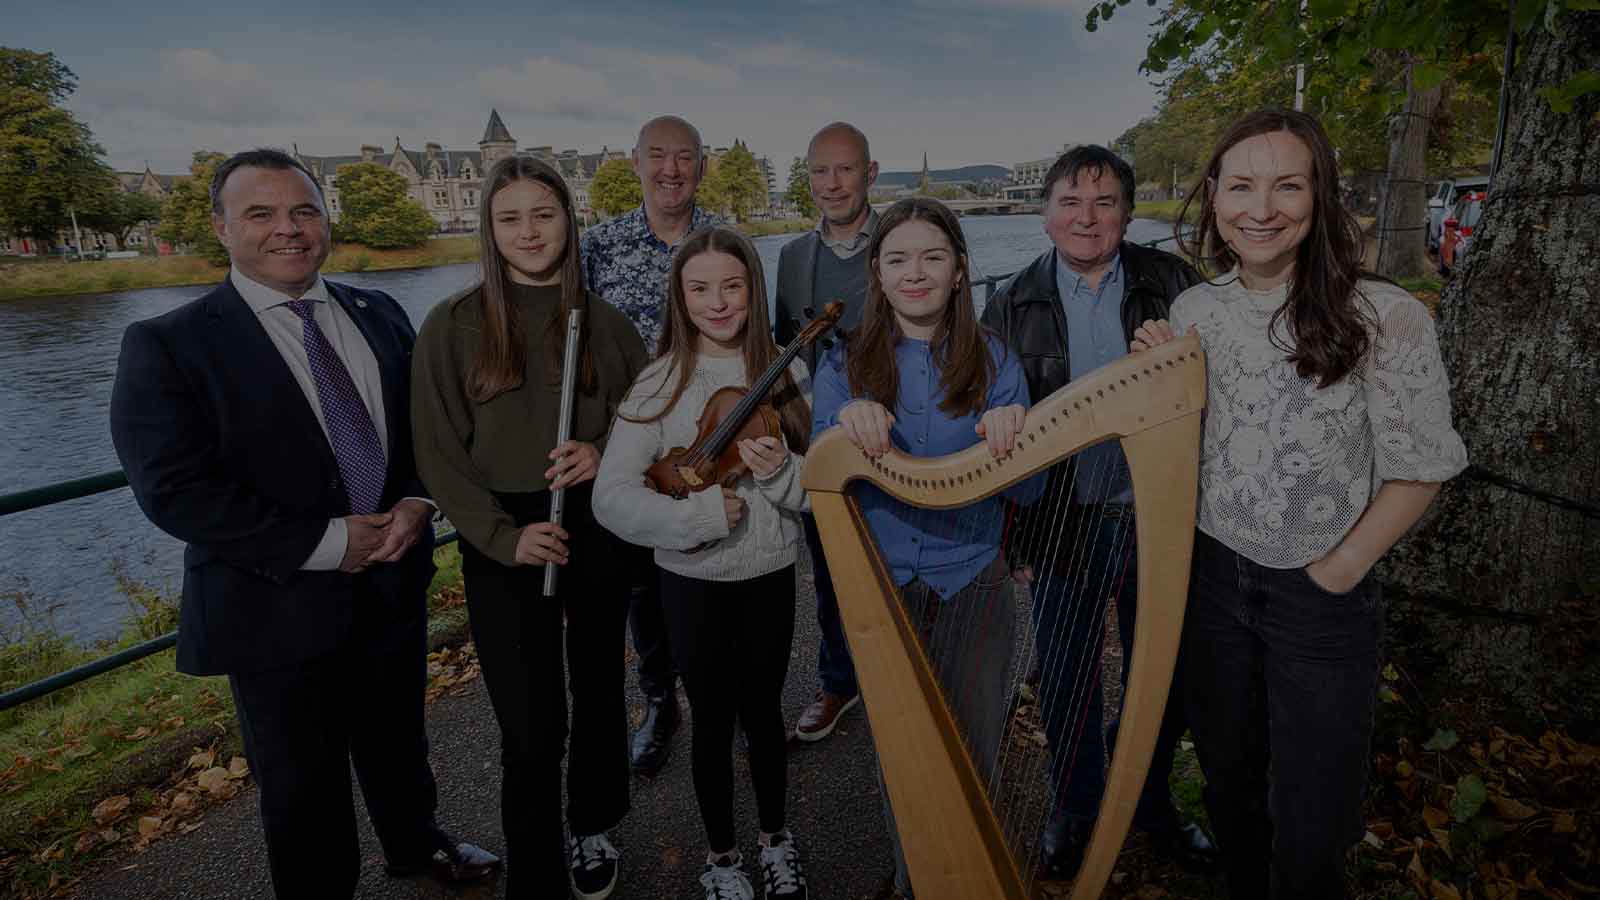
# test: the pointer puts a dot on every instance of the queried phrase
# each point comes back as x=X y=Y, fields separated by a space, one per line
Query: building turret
x=497 y=142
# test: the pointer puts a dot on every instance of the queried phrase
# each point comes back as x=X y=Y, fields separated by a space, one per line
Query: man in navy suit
x=266 y=424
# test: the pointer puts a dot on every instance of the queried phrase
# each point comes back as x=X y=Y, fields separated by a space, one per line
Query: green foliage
x=737 y=182
x=377 y=209
x=799 y=189
x=1562 y=96
x=615 y=188
x=186 y=214
x=49 y=162
x=1470 y=797
x=1443 y=739
x=120 y=212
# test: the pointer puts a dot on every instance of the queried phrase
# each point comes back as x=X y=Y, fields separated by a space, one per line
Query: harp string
x=1025 y=779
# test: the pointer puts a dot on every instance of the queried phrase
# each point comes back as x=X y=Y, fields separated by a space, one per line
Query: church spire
x=922 y=186
x=495 y=132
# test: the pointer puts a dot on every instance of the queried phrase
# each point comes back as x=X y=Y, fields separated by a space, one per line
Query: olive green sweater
x=467 y=451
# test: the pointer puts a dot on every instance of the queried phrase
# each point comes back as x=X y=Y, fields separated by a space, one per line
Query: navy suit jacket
x=223 y=452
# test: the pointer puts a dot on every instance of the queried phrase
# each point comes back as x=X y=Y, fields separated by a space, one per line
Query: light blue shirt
x=1095 y=338
x=946 y=550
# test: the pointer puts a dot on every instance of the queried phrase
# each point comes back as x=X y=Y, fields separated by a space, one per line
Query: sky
x=966 y=81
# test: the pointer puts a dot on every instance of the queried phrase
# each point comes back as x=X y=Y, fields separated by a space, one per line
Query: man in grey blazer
x=829 y=264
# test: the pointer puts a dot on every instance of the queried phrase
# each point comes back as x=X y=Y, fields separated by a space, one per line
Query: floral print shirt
x=1286 y=467
x=627 y=265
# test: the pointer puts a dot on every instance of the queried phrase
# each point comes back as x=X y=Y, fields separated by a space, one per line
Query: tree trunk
x=1403 y=206
x=1497 y=591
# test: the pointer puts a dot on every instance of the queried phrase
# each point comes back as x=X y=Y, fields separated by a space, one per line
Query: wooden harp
x=954 y=844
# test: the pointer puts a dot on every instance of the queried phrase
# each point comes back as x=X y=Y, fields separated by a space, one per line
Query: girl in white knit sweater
x=726 y=555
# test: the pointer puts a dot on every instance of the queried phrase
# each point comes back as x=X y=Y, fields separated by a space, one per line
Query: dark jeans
x=657 y=677
x=970 y=638
x=1282 y=679
x=521 y=646
x=731 y=642
x=303 y=728
x=1094 y=564
x=835 y=669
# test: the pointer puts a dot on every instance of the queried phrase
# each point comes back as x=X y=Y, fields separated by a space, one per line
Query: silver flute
x=569 y=385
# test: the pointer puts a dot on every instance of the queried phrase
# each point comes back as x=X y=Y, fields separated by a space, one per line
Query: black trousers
x=651 y=644
x=731 y=642
x=1281 y=678
x=521 y=646
x=304 y=726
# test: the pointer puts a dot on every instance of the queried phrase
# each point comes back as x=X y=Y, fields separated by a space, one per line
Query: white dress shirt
x=287 y=332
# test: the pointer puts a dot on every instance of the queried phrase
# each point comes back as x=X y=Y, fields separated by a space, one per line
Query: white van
x=1444 y=199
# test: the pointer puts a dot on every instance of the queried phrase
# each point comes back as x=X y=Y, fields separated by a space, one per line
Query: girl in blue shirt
x=922 y=376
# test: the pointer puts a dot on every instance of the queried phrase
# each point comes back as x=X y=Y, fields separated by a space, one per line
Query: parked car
x=1443 y=201
x=1458 y=229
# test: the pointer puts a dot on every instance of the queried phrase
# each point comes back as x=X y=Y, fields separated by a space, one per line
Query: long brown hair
x=1327 y=315
x=965 y=369
x=680 y=339
x=502 y=361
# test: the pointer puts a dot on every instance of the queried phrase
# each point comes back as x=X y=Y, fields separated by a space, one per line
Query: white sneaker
x=727 y=882
x=593 y=863
x=782 y=875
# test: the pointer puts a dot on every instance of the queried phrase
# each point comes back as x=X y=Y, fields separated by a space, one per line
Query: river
x=59 y=566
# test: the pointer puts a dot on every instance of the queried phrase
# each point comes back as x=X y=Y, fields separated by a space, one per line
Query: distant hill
x=965 y=173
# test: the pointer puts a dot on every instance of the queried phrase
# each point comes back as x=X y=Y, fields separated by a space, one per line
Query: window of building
x=333 y=204
x=469 y=199
x=441 y=198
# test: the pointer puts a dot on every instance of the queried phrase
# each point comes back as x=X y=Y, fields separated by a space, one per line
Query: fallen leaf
x=85 y=841
x=149 y=825
x=1565 y=823
x=203 y=759
x=1372 y=840
x=139 y=734
x=214 y=781
x=238 y=767
x=110 y=809
x=183 y=802
x=1443 y=739
x=1404 y=769
x=1469 y=798
x=1442 y=891
x=81 y=752
x=1509 y=808
x=1418 y=874
x=1435 y=818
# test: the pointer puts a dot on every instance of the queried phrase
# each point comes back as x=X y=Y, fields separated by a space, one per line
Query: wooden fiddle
x=731 y=415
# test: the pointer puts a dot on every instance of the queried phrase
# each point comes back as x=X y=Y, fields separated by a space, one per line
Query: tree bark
x=1497 y=592
x=1403 y=208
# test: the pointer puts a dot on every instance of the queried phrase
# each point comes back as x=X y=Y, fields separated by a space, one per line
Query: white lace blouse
x=1286 y=467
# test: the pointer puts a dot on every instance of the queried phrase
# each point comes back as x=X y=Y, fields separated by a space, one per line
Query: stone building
x=448 y=184
x=139 y=238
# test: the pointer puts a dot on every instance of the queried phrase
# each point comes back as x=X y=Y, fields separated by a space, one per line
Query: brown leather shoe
x=818 y=719
x=451 y=865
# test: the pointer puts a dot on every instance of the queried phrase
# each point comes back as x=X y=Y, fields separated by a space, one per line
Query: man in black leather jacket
x=1068 y=312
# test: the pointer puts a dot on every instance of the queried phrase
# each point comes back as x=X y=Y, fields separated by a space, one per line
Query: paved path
x=834 y=812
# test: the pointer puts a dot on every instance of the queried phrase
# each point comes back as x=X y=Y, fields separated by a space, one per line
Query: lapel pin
x=361 y=304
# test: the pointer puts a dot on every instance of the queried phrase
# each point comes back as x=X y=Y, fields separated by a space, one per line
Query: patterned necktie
x=355 y=441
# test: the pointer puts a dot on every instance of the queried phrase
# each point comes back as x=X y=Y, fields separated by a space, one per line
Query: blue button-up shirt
x=945 y=548
x=627 y=265
x=1094 y=338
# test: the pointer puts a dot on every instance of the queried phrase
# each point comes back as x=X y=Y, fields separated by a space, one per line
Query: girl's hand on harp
x=576 y=462
x=866 y=424
x=542 y=543
x=1000 y=427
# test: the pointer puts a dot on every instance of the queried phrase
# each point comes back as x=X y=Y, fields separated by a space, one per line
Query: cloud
x=197 y=86
x=544 y=86
x=790 y=55
x=661 y=70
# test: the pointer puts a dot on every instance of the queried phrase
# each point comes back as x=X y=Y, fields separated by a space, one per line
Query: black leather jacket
x=1025 y=310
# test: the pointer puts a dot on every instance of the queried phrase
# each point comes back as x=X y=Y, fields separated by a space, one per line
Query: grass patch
x=1163 y=210
x=776 y=226
x=119 y=760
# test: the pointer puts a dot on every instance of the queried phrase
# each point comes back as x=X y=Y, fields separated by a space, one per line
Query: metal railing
x=78 y=488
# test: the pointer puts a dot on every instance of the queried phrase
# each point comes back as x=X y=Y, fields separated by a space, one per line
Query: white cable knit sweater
x=768 y=535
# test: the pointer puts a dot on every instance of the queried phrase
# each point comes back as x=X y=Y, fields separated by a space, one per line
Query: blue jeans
x=1281 y=683
x=1093 y=565
x=835 y=669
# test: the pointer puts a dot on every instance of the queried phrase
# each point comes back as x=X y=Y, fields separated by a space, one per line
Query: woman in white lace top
x=1327 y=436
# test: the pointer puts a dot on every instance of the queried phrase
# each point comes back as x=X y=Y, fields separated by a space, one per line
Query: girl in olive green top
x=486 y=395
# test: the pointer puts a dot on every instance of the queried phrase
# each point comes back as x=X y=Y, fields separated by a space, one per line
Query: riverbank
x=139 y=752
x=52 y=278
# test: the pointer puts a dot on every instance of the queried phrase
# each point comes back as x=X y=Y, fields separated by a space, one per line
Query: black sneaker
x=593 y=861
x=782 y=875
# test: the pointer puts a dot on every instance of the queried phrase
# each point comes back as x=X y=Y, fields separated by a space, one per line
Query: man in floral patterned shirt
x=626 y=261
